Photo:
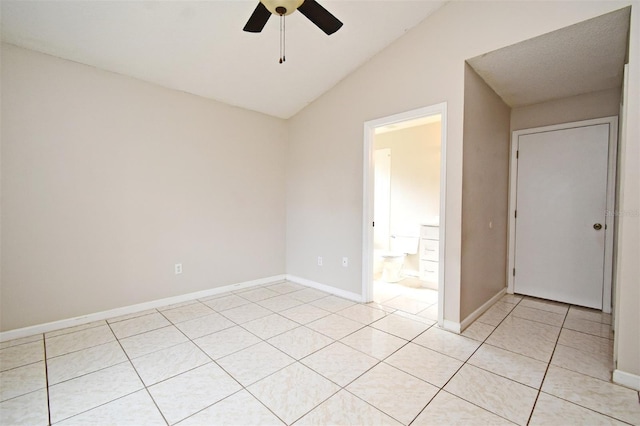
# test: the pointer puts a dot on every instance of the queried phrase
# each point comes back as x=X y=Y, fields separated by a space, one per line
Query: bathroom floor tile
x=332 y=303
x=169 y=362
x=187 y=312
x=589 y=327
x=344 y=408
x=308 y=295
x=586 y=342
x=270 y=326
x=375 y=343
x=494 y=393
x=254 y=363
x=224 y=303
x=363 y=314
x=258 y=294
x=279 y=303
x=394 y=392
x=448 y=343
x=83 y=393
x=79 y=327
x=545 y=305
x=430 y=313
x=577 y=312
x=335 y=326
x=339 y=363
x=407 y=304
x=448 y=409
x=595 y=394
x=131 y=315
x=530 y=338
x=285 y=287
x=400 y=326
x=76 y=341
x=29 y=410
x=190 y=392
x=428 y=365
x=538 y=315
x=20 y=341
x=478 y=331
x=591 y=364
x=511 y=298
x=75 y=364
x=19 y=355
x=495 y=314
x=139 y=325
x=511 y=365
x=202 y=326
x=226 y=342
x=246 y=313
x=134 y=409
x=300 y=342
x=293 y=391
x=152 y=341
x=241 y=408
x=551 y=411
x=304 y=314
x=22 y=380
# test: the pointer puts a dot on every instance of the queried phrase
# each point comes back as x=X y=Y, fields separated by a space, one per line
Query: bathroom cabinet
x=429 y=255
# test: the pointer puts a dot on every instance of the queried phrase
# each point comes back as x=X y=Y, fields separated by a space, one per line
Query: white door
x=560 y=214
x=381 y=198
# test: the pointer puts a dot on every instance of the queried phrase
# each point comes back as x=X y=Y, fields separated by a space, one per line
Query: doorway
x=396 y=219
x=563 y=181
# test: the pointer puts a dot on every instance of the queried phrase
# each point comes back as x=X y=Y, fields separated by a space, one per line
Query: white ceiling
x=199 y=46
x=585 y=57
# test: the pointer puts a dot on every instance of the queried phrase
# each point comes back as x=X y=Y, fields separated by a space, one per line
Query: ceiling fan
x=309 y=8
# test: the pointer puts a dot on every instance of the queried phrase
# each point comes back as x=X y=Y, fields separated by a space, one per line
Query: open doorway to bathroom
x=404 y=212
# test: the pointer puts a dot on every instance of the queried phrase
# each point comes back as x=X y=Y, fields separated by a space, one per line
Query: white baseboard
x=626 y=379
x=326 y=288
x=481 y=310
x=126 y=310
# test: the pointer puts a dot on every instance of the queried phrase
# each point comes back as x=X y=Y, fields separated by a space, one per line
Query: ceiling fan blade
x=320 y=16
x=258 y=19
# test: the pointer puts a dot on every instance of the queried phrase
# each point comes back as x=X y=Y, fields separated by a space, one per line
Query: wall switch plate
x=177 y=268
x=345 y=261
x=319 y=261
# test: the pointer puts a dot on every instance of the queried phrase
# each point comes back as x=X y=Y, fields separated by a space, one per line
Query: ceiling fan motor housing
x=276 y=6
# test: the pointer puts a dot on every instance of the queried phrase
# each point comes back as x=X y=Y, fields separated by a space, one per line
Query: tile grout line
x=46 y=375
x=535 y=402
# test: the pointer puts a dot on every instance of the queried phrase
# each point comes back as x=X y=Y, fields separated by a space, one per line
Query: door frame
x=610 y=200
x=367 y=197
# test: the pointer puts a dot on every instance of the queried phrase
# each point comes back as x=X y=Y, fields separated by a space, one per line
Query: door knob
x=597 y=226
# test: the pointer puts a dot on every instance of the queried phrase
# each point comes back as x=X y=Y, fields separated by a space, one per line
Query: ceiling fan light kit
x=317 y=14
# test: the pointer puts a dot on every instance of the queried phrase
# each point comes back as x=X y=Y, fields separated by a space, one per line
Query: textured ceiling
x=199 y=46
x=585 y=57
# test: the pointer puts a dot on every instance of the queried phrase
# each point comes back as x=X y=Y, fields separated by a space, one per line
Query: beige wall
x=108 y=181
x=415 y=179
x=424 y=67
x=485 y=194
x=605 y=103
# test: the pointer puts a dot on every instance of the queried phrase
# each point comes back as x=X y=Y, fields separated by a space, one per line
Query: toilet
x=392 y=261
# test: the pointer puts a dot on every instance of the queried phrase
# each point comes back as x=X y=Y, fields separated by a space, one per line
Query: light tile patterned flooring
x=288 y=354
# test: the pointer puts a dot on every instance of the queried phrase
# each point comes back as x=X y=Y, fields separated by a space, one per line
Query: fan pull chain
x=283 y=29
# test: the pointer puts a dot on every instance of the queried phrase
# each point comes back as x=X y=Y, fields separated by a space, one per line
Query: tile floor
x=286 y=354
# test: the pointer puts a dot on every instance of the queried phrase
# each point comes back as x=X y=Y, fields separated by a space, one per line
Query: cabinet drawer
x=429 y=271
x=430 y=232
x=429 y=249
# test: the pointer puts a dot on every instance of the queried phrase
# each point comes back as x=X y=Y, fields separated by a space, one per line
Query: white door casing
x=561 y=188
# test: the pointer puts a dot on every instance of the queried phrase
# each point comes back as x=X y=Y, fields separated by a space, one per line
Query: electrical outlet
x=345 y=261
x=319 y=261
x=177 y=268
